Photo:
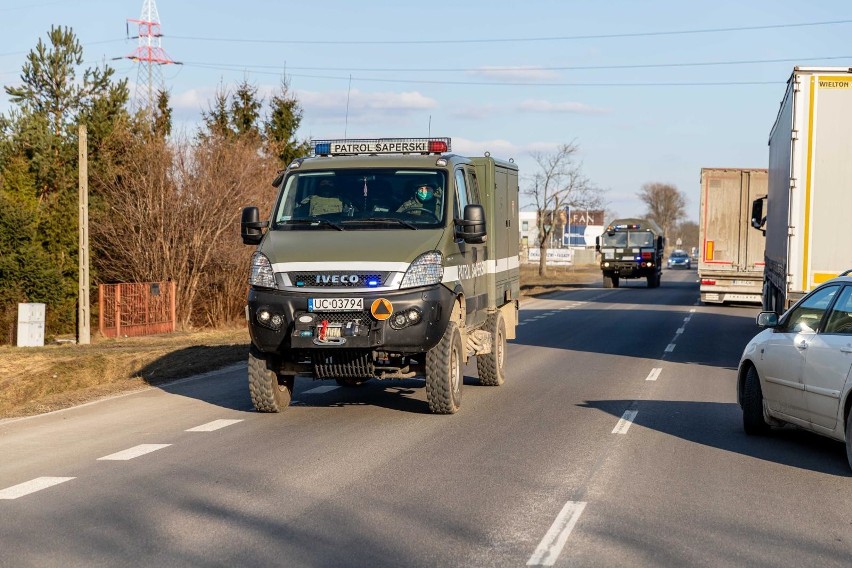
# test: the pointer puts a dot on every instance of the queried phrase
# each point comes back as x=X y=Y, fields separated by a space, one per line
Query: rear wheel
x=270 y=392
x=490 y=365
x=444 y=372
x=753 y=420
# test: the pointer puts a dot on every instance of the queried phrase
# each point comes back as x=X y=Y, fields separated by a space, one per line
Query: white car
x=797 y=371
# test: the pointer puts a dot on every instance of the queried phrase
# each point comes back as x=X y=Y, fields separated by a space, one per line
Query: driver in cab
x=426 y=198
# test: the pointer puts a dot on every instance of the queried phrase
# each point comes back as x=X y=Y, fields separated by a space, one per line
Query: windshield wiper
x=313 y=221
x=383 y=220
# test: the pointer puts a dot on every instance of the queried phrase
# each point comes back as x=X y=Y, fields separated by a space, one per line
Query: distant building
x=577 y=228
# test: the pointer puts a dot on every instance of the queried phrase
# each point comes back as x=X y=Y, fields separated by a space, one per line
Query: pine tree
x=281 y=126
x=245 y=110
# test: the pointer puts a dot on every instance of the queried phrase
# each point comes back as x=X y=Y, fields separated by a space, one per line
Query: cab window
x=461 y=193
x=473 y=187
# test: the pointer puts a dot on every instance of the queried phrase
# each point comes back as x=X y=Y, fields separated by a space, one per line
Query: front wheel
x=269 y=391
x=608 y=281
x=753 y=420
x=849 y=439
x=490 y=365
x=444 y=372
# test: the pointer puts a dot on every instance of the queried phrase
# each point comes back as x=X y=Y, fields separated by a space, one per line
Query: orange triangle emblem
x=381 y=309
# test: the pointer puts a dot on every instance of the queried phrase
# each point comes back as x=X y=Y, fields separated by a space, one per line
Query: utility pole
x=84 y=332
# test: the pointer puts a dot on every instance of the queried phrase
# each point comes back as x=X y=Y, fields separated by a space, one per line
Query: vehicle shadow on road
x=719 y=425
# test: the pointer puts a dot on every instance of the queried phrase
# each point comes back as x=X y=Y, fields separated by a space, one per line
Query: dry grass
x=41 y=379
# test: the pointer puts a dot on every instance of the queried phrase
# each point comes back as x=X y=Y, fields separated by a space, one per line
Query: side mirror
x=472 y=228
x=767 y=319
x=251 y=228
x=597 y=244
x=660 y=243
x=758 y=220
x=278 y=178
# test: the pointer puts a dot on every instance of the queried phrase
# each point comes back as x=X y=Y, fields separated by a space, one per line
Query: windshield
x=628 y=238
x=679 y=254
x=362 y=198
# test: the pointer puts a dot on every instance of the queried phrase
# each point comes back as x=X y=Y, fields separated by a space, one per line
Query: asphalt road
x=615 y=441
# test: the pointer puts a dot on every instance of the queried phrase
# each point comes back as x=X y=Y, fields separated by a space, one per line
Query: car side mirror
x=251 y=227
x=660 y=243
x=472 y=227
x=758 y=220
x=767 y=319
x=597 y=244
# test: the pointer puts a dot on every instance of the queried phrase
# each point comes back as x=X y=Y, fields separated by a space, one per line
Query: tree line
x=164 y=205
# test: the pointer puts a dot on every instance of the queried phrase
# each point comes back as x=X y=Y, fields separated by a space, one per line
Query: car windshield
x=640 y=239
x=615 y=239
x=679 y=254
x=362 y=198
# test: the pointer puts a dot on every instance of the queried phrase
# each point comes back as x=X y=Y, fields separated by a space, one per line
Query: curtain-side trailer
x=810 y=186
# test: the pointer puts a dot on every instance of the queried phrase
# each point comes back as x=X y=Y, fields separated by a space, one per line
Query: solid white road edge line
x=134 y=452
x=322 y=389
x=551 y=545
x=654 y=374
x=32 y=486
x=215 y=425
x=624 y=423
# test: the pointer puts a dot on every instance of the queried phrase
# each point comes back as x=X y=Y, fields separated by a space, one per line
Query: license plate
x=744 y=283
x=335 y=304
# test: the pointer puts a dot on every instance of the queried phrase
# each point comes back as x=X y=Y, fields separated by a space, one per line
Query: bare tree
x=559 y=183
x=174 y=213
x=666 y=205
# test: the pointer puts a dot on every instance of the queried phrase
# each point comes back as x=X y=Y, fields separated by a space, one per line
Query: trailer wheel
x=753 y=420
x=490 y=365
x=270 y=392
x=444 y=372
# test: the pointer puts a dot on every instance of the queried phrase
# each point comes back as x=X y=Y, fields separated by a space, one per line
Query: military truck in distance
x=383 y=259
x=631 y=248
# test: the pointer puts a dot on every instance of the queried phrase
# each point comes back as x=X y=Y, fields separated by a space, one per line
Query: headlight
x=427 y=269
x=261 y=271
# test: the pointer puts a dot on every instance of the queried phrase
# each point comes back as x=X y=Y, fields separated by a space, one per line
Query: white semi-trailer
x=809 y=204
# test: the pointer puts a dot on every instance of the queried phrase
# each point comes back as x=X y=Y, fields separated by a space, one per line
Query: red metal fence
x=139 y=308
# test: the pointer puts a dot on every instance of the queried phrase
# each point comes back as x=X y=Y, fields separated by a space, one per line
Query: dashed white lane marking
x=670 y=347
x=322 y=389
x=522 y=323
x=692 y=311
x=686 y=319
x=215 y=425
x=679 y=331
x=538 y=317
x=32 y=486
x=550 y=313
x=625 y=421
x=654 y=374
x=134 y=452
x=554 y=540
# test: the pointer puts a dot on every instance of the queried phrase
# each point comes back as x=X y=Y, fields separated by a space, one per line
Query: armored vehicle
x=383 y=259
x=631 y=248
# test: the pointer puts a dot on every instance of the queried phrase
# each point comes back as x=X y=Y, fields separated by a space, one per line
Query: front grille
x=342 y=317
x=328 y=280
x=343 y=365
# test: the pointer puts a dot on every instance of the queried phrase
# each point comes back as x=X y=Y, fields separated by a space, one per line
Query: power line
x=528 y=68
x=512 y=40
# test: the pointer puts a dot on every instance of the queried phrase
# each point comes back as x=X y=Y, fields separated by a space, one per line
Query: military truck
x=383 y=259
x=631 y=248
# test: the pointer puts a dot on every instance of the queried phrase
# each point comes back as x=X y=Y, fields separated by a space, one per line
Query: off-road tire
x=269 y=391
x=753 y=421
x=849 y=439
x=615 y=281
x=490 y=365
x=608 y=281
x=444 y=372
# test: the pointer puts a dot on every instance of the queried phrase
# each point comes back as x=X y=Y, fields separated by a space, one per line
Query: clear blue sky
x=440 y=61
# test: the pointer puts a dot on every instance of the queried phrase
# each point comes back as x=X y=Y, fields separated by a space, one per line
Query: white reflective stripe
x=344 y=265
x=451 y=274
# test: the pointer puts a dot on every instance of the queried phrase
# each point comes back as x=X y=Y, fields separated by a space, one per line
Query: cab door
x=473 y=266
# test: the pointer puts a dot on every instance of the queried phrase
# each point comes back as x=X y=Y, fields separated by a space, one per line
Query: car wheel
x=753 y=421
x=849 y=439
